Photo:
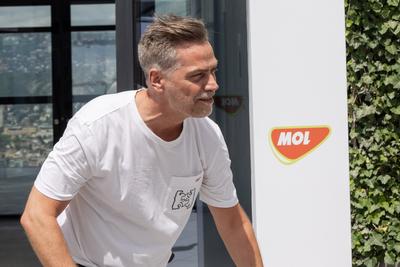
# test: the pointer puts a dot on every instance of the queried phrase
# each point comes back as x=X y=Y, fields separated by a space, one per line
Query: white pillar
x=298 y=109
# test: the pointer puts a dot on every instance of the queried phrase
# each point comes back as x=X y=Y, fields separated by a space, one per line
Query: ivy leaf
x=367 y=245
x=384 y=178
x=397 y=30
x=393 y=2
x=373 y=44
x=393 y=80
x=392 y=23
x=377 y=240
x=390 y=258
x=395 y=110
x=367 y=79
x=365 y=111
x=392 y=49
x=372 y=262
x=376 y=219
x=384 y=28
x=377 y=6
x=387 y=207
x=391 y=95
x=349 y=22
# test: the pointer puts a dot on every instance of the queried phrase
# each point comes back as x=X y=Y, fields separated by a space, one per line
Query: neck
x=165 y=124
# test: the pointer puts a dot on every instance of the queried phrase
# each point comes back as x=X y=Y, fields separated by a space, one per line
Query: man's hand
x=236 y=231
x=39 y=221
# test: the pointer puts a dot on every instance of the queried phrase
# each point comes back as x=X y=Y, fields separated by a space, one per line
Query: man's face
x=189 y=89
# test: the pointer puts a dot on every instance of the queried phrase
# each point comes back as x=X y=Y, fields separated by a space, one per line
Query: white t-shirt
x=132 y=192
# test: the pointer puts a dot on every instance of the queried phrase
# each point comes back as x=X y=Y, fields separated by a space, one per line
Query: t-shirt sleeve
x=218 y=189
x=69 y=165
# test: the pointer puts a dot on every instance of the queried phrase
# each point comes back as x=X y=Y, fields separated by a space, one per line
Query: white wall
x=297 y=77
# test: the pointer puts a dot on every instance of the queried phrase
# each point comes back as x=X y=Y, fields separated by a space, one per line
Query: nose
x=212 y=84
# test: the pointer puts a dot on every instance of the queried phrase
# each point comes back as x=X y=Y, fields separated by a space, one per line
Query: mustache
x=205 y=96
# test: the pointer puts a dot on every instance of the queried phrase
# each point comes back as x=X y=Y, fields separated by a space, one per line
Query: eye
x=198 y=76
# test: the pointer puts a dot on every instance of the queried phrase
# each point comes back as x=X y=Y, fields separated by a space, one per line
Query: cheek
x=189 y=91
x=179 y=96
x=183 y=91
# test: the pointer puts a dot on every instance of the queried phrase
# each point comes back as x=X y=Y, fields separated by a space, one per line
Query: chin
x=201 y=114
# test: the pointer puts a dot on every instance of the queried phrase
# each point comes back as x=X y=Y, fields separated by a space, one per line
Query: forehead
x=196 y=56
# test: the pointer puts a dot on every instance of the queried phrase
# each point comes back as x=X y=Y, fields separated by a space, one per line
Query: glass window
x=25 y=16
x=89 y=15
x=26 y=137
x=147 y=9
x=77 y=106
x=177 y=7
x=93 y=62
x=25 y=64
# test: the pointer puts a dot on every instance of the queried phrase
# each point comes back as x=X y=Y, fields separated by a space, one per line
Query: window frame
x=60 y=29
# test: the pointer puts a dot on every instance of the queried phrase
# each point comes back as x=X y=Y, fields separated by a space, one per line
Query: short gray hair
x=157 y=46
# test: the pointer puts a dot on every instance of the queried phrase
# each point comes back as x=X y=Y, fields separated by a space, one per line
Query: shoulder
x=101 y=118
x=102 y=106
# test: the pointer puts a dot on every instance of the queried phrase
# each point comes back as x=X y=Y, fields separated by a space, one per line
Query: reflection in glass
x=77 y=106
x=99 y=14
x=26 y=137
x=177 y=7
x=93 y=62
x=147 y=9
x=144 y=22
x=25 y=16
x=226 y=24
x=25 y=64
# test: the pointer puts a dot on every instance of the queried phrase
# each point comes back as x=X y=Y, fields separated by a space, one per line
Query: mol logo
x=290 y=144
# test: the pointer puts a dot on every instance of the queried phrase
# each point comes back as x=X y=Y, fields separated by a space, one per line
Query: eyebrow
x=202 y=70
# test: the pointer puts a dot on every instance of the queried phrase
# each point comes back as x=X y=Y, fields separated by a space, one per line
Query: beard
x=196 y=107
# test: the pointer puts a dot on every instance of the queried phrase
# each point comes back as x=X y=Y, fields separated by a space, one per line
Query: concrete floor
x=15 y=250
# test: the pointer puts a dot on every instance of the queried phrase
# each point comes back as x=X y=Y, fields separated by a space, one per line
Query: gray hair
x=157 y=46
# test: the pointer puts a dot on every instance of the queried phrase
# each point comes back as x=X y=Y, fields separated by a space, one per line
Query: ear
x=156 y=80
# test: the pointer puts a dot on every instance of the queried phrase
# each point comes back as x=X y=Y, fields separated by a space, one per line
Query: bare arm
x=43 y=231
x=236 y=231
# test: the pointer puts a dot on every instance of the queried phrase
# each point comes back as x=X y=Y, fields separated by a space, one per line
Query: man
x=120 y=184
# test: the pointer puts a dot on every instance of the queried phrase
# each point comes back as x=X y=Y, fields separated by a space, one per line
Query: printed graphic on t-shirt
x=183 y=200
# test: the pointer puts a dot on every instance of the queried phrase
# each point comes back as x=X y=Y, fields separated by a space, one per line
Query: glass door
x=26 y=111
x=227 y=27
x=54 y=57
x=93 y=51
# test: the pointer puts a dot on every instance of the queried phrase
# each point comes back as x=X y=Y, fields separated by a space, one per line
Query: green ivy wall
x=373 y=75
